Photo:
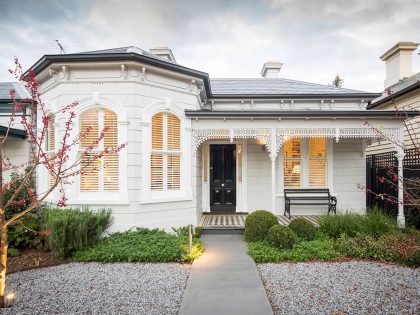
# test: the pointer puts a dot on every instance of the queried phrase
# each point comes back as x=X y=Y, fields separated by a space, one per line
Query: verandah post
x=273 y=156
x=400 y=218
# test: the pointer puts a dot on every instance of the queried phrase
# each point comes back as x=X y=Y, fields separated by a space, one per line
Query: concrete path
x=225 y=281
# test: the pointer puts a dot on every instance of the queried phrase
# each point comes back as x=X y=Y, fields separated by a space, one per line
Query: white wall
x=349 y=170
x=259 y=177
x=132 y=97
x=17 y=151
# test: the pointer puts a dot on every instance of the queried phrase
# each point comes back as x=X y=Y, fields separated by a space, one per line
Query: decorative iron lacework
x=281 y=135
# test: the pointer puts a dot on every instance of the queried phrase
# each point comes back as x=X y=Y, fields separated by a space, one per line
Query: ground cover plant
x=373 y=236
x=143 y=245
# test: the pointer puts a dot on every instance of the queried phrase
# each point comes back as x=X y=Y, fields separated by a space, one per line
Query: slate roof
x=20 y=90
x=215 y=88
x=270 y=86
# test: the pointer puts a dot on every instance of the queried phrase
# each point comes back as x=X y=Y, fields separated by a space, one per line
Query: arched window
x=99 y=175
x=166 y=152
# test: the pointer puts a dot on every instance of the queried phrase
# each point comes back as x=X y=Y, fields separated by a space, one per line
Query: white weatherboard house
x=198 y=145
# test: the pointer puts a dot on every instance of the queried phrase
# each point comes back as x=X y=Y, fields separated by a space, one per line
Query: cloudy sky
x=314 y=39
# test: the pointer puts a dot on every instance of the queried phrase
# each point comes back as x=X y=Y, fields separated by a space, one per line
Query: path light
x=10 y=299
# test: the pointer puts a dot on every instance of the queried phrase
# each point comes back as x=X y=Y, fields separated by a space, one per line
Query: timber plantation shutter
x=156 y=171
x=110 y=160
x=292 y=163
x=166 y=152
x=51 y=145
x=103 y=174
x=317 y=164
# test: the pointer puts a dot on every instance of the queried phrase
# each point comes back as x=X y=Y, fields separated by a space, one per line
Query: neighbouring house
x=16 y=147
x=198 y=145
x=402 y=93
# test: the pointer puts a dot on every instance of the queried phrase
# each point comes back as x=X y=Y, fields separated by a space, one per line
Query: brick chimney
x=271 y=69
x=163 y=52
x=398 y=61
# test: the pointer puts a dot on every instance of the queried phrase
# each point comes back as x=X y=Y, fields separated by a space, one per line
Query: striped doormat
x=237 y=221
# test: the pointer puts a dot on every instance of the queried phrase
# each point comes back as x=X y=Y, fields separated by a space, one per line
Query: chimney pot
x=271 y=69
x=398 y=61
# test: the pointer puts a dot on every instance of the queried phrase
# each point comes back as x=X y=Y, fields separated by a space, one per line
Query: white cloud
x=314 y=39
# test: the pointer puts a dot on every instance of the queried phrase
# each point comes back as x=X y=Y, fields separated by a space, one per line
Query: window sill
x=162 y=197
x=100 y=198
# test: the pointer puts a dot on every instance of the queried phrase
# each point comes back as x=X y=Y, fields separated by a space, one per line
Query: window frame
x=147 y=195
x=304 y=165
x=98 y=149
x=120 y=197
x=165 y=152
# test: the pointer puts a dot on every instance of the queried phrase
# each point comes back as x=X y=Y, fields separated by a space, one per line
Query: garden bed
x=32 y=259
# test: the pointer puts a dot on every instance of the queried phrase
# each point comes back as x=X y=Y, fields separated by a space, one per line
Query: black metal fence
x=377 y=167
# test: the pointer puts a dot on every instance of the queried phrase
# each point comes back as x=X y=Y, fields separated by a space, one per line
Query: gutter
x=298 y=96
x=393 y=96
x=16 y=133
x=297 y=114
x=46 y=60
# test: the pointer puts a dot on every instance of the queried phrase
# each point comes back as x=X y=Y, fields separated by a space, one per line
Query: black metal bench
x=309 y=197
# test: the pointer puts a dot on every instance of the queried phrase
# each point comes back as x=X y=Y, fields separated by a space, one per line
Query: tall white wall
x=133 y=96
x=349 y=170
x=17 y=151
x=259 y=177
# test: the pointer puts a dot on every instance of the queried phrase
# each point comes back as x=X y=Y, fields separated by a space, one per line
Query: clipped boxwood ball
x=303 y=228
x=281 y=236
x=257 y=225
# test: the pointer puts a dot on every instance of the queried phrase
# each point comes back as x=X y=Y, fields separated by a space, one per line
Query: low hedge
x=303 y=228
x=257 y=225
x=281 y=236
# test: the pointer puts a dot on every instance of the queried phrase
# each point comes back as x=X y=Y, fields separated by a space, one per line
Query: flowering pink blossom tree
x=59 y=164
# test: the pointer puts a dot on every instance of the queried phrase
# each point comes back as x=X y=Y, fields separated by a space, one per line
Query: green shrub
x=24 y=198
x=396 y=247
x=318 y=249
x=142 y=245
x=374 y=224
x=26 y=234
x=303 y=228
x=20 y=234
x=257 y=225
x=281 y=236
x=74 y=229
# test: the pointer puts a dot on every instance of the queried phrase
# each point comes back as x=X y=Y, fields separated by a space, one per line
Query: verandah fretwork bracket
x=281 y=135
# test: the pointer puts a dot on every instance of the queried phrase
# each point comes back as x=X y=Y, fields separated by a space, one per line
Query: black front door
x=222 y=177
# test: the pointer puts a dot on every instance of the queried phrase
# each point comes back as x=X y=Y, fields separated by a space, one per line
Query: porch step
x=231 y=222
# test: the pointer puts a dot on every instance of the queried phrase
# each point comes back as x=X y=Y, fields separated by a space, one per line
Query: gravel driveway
x=92 y=288
x=349 y=287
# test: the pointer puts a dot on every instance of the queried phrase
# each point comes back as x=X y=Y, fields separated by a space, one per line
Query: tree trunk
x=3 y=262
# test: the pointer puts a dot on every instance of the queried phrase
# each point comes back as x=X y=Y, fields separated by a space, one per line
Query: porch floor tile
x=237 y=221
